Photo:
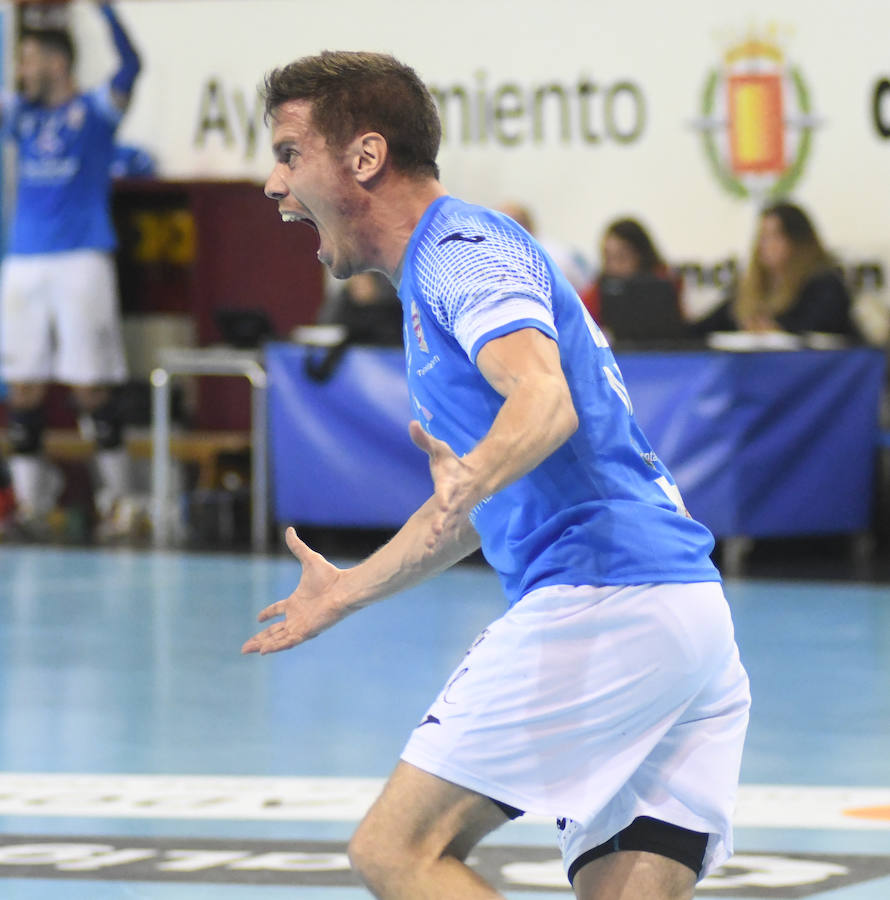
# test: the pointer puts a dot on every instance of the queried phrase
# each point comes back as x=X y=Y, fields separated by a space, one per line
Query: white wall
x=666 y=49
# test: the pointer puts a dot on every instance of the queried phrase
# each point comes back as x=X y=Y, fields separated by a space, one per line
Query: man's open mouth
x=289 y=216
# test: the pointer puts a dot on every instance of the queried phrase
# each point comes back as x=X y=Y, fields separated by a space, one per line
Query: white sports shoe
x=122 y=519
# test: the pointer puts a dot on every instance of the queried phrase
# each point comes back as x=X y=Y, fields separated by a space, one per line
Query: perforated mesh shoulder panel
x=465 y=264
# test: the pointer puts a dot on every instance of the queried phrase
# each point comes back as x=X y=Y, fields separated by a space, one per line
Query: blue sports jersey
x=602 y=509
x=64 y=157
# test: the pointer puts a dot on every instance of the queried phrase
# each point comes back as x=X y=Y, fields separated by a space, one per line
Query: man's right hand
x=312 y=608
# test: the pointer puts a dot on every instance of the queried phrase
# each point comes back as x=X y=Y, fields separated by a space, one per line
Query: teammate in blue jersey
x=610 y=694
x=59 y=318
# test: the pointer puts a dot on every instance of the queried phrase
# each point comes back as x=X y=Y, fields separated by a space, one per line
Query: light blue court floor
x=142 y=757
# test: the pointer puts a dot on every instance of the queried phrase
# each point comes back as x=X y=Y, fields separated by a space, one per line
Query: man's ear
x=370 y=156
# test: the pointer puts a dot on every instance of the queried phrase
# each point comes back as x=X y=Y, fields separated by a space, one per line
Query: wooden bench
x=202 y=448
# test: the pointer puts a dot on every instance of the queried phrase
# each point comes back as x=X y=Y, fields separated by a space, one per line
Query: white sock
x=112 y=477
x=36 y=483
x=26 y=470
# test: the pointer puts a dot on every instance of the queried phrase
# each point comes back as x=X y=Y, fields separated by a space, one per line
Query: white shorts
x=59 y=319
x=599 y=705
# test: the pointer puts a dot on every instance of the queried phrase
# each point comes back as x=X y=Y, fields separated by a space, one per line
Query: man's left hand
x=453 y=484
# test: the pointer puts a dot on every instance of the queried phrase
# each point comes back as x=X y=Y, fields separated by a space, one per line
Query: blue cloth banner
x=340 y=451
x=760 y=444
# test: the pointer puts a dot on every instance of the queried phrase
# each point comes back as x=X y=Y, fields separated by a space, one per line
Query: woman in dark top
x=792 y=283
x=627 y=250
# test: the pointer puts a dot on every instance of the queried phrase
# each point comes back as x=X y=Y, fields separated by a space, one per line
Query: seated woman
x=626 y=251
x=792 y=284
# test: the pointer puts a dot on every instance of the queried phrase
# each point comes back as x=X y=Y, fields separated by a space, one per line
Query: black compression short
x=653 y=836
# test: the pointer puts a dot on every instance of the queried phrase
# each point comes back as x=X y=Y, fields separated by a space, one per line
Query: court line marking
x=56 y=794
x=299 y=863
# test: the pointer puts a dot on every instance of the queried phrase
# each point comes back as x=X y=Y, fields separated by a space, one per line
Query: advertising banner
x=687 y=115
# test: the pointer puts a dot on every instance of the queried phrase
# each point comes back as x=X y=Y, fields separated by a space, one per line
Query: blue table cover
x=761 y=444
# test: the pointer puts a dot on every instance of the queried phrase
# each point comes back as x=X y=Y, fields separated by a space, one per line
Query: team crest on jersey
x=418 y=328
x=48 y=142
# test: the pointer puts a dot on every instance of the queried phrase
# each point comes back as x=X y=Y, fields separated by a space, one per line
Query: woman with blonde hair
x=792 y=283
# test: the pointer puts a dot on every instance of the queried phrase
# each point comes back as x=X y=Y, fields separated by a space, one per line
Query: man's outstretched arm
x=537 y=417
x=326 y=594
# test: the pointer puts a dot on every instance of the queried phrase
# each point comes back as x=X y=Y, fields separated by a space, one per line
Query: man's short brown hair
x=354 y=92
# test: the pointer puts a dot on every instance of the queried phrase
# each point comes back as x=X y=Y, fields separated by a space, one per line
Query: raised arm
x=536 y=418
x=123 y=79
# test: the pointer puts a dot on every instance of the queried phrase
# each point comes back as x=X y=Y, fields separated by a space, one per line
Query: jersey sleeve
x=483 y=280
x=104 y=105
